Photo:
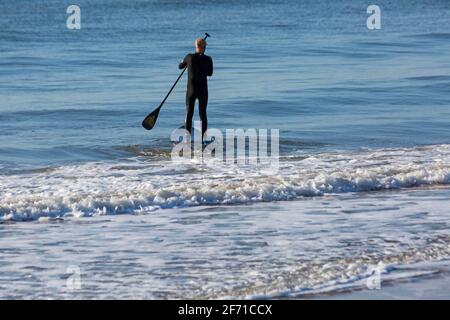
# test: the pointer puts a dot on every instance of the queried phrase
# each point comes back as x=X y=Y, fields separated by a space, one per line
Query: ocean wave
x=432 y=35
x=139 y=186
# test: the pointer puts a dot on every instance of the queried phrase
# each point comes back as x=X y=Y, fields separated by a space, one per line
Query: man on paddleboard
x=200 y=66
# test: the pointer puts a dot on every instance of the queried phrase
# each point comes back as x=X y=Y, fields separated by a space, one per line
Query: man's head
x=200 y=45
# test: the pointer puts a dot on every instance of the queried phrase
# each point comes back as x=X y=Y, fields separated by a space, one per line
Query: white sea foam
x=137 y=185
x=281 y=249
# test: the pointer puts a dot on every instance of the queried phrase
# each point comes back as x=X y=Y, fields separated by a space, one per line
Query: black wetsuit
x=200 y=66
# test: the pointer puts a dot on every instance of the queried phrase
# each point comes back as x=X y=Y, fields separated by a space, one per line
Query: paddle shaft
x=171 y=89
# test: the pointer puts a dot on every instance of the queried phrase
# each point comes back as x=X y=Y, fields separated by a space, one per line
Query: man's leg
x=190 y=104
x=202 y=104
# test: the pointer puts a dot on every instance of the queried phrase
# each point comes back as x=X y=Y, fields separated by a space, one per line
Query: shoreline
x=432 y=286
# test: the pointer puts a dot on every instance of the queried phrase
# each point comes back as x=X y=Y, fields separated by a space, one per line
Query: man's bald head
x=200 y=45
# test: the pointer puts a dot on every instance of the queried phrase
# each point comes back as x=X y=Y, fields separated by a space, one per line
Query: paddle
x=150 y=121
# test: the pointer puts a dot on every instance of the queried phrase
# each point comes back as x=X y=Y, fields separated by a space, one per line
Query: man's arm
x=210 y=68
x=184 y=62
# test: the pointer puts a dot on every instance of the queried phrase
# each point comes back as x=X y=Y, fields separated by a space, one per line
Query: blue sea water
x=310 y=68
x=359 y=111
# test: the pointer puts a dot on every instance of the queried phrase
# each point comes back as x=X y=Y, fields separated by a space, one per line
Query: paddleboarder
x=200 y=66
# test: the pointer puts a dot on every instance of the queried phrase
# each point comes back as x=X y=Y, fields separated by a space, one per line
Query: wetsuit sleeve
x=210 y=68
x=184 y=62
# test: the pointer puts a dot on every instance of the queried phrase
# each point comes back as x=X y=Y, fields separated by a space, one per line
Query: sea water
x=364 y=122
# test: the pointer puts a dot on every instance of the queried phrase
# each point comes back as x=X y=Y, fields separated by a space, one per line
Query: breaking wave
x=139 y=186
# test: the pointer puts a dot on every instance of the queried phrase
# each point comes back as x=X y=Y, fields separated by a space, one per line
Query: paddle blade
x=150 y=121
